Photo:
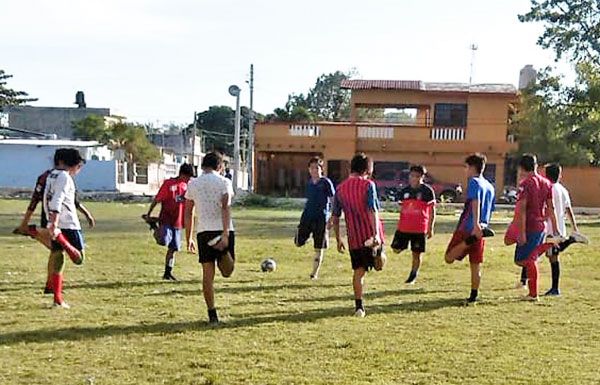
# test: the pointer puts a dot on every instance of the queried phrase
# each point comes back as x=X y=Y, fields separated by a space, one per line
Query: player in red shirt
x=417 y=218
x=171 y=196
x=356 y=197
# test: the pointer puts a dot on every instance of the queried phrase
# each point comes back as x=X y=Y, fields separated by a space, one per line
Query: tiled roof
x=424 y=86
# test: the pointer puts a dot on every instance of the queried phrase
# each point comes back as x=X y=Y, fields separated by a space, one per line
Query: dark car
x=389 y=182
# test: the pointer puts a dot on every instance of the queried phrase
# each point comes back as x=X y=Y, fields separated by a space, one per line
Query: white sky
x=161 y=60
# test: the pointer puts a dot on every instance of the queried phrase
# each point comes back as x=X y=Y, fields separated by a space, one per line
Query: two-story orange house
x=435 y=124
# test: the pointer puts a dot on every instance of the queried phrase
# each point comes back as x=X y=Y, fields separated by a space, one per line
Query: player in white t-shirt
x=63 y=223
x=210 y=194
x=563 y=208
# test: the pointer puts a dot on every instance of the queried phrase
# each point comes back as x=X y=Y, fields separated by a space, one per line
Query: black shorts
x=208 y=253
x=364 y=257
x=319 y=232
x=75 y=238
x=417 y=241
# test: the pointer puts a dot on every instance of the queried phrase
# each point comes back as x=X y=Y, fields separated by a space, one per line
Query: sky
x=158 y=61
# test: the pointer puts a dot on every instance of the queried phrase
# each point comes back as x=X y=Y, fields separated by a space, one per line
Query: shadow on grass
x=90 y=333
x=247 y=289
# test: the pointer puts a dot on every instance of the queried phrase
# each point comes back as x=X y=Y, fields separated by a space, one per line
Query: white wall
x=97 y=175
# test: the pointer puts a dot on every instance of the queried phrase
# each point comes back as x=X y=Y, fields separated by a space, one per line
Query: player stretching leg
x=171 y=197
x=317 y=210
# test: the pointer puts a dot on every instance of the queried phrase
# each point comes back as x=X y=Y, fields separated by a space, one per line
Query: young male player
x=317 y=210
x=417 y=218
x=468 y=238
x=41 y=234
x=534 y=206
x=356 y=197
x=63 y=223
x=211 y=194
x=171 y=197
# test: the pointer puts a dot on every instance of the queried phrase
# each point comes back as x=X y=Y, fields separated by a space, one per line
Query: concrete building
x=182 y=145
x=435 y=124
x=527 y=76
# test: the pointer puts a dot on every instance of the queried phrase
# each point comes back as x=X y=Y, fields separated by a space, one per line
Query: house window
x=141 y=174
x=450 y=115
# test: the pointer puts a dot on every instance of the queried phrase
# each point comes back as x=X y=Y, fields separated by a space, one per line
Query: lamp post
x=235 y=91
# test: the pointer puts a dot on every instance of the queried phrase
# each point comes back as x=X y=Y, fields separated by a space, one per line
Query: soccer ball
x=268 y=265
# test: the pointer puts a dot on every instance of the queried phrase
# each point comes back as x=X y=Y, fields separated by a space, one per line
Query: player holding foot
x=211 y=194
x=63 y=223
x=356 y=197
x=417 y=218
x=317 y=210
x=171 y=197
x=468 y=238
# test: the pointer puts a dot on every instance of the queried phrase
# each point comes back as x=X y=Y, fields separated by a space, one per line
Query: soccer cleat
x=529 y=298
x=314 y=277
x=169 y=277
x=48 y=290
x=555 y=239
x=72 y=252
x=360 y=313
x=580 y=238
x=487 y=232
x=214 y=241
x=471 y=301
x=62 y=305
x=552 y=293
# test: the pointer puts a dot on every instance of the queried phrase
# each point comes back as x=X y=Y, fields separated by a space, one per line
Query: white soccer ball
x=268 y=265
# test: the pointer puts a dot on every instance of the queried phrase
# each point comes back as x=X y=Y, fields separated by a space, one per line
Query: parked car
x=389 y=183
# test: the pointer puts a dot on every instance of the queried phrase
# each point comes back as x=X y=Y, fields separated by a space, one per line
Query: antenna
x=473 y=47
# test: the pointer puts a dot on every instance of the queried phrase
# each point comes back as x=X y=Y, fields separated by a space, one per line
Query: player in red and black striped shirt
x=356 y=197
x=417 y=218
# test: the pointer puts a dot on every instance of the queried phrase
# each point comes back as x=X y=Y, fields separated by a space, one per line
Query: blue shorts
x=75 y=238
x=533 y=240
x=169 y=236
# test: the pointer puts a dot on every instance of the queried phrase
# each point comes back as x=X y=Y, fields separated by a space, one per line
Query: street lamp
x=235 y=91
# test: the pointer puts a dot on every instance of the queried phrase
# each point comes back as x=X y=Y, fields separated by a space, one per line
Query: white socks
x=317 y=263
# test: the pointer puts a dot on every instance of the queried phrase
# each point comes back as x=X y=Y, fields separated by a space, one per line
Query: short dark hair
x=528 y=162
x=212 y=160
x=317 y=160
x=359 y=163
x=553 y=172
x=71 y=157
x=59 y=156
x=420 y=169
x=476 y=160
x=186 y=169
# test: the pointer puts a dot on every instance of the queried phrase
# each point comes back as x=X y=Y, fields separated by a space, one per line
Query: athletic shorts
x=417 y=241
x=208 y=253
x=475 y=251
x=75 y=238
x=364 y=257
x=522 y=252
x=169 y=236
x=319 y=232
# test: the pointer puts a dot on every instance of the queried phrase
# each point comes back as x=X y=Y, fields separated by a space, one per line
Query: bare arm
x=336 y=231
x=88 y=215
x=189 y=224
x=571 y=216
x=521 y=219
x=553 y=220
x=431 y=222
x=476 y=215
x=226 y=219
x=152 y=206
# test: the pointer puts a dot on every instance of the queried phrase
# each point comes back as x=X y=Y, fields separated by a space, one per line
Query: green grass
x=127 y=326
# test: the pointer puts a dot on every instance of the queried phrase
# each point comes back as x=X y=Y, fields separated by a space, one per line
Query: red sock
x=72 y=252
x=57 y=283
x=532 y=276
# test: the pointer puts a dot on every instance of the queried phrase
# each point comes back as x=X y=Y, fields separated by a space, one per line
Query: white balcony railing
x=305 y=130
x=365 y=132
x=447 y=134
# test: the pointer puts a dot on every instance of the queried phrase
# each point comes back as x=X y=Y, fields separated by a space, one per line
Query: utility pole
x=473 y=48
x=250 y=157
x=235 y=91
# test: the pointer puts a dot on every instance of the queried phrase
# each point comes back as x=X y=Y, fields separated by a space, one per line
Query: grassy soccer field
x=126 y=326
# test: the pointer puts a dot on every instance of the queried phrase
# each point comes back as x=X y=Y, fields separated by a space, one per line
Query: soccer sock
x=532 y=277
x=317 y=263
x=474 y=294
x=566 y=243
x=358 y=304
x=212 y=315
x=555 y=266
x=523 y=275
x=57 y=283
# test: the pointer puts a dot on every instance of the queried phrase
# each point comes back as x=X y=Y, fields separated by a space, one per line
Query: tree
x=10 y=97
x=217 y=126
x=572 y=27
x=92 y=127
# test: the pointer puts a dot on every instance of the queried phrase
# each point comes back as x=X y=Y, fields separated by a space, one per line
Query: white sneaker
x=529 y=298
x=62 y=305
x=580 y=238
x=360 y=313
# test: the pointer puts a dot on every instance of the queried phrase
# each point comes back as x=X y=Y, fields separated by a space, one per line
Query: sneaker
x=552 y=293
x=360 y=313
x=213 y=321
x=529 y=298
x=487 y=232
x=169 y=277
x=520 y=285
x=48 y=290
x=62 y=305
x=471 y=301
x=580 y=238
x=314 y=277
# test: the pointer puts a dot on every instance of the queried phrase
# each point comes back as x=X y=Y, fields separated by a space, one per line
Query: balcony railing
x=305 y=130
x=367 y=132
x=448 y=134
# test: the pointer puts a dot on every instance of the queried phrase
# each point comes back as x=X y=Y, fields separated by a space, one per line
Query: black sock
x=168 y=270
x=412 y=276
x=358 y=304
x=212 y=314
x=566 y=243
x=524 y=276
x=555 y=266
x=474 y=293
